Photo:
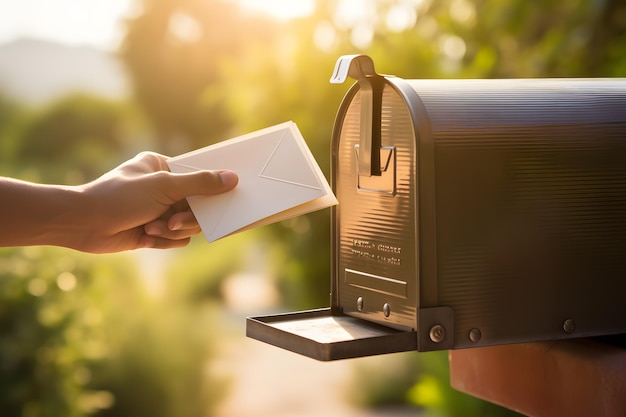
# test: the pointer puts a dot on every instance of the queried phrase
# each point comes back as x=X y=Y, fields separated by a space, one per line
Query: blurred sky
x=98 y=22
x=76 y=22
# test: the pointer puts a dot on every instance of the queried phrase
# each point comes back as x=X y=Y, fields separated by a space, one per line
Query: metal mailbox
x=471 y=213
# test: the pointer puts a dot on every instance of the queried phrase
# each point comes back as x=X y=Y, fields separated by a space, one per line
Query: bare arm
x=136 y=205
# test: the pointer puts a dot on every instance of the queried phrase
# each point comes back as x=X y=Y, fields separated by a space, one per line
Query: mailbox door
x=325 y=335
x=374 y=248
x=375 y=229
x=382 y=169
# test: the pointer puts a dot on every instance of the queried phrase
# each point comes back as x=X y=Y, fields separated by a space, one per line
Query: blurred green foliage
x=83 y=335
x=80 y=336
x=432 y=392
x=419 y=379
x=71 y=141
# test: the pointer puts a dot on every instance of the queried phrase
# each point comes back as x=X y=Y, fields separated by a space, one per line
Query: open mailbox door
x=321 y=335
x=364 y=175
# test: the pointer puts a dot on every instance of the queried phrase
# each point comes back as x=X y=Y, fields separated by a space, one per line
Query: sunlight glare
x=362 y=35
x=452 y=46
x=184 y=28
x=96 y=23
x=401 y=17
x=280 y=9
x=463 y=11
x=324 y=36
x=350 y=13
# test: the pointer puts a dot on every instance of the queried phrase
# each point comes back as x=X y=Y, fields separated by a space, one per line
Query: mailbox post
x=574 y=377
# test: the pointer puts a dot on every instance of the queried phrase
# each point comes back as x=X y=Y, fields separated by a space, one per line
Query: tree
x=177 y=53
x=77 y=138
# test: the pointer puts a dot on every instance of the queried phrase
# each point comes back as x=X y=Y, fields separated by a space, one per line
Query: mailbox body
x=498 y=216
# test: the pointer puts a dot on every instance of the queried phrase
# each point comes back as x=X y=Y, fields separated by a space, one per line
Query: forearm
x=139 y=204
x=37 y=214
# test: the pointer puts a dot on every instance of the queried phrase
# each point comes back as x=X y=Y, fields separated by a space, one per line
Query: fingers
x=155 y=242
x=201 y=183
x=173 y=220
x=184 y=220
x=144 y=163
x=162 y=229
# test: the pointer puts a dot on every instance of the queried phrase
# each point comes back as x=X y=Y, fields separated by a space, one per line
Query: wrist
x=66 y=221
x=37 y=214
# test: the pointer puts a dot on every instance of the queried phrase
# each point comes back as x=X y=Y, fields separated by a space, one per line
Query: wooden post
x=578 y=377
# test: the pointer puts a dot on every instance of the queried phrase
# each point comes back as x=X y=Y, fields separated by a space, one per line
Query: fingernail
x=176 y=225
x=229 y=179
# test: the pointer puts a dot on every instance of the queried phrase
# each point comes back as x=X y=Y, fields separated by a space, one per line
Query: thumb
x=202 y=183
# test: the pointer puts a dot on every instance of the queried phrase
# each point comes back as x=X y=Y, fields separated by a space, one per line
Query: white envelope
x=278 y=179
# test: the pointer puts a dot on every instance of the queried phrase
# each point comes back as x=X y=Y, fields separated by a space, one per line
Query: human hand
x=140 y=204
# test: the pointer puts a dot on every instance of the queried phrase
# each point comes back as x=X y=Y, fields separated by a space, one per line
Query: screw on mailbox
x=437 y=333
x=475 y=335
x=386 y=309
x=569 y=326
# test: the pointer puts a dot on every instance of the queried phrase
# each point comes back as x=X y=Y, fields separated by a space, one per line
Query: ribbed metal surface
x=530 y=180
x=376 y=231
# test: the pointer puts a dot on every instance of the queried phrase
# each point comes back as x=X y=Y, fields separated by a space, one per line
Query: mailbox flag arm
x=371 y=84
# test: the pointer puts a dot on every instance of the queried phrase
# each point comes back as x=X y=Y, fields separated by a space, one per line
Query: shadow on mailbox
x=471 y=213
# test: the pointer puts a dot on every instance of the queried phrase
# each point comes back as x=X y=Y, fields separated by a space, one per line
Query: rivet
x=437 y=333
x=475 y=335
x=359 y=303
x=386 y=309
x=569 y=326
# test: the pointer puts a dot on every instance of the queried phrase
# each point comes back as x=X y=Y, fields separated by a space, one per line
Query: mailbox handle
x=361 y=68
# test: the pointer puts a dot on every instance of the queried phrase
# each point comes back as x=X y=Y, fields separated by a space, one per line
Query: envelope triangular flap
x=290 y=155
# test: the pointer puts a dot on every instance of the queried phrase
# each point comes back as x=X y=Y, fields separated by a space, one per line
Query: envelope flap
x=286 y=164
